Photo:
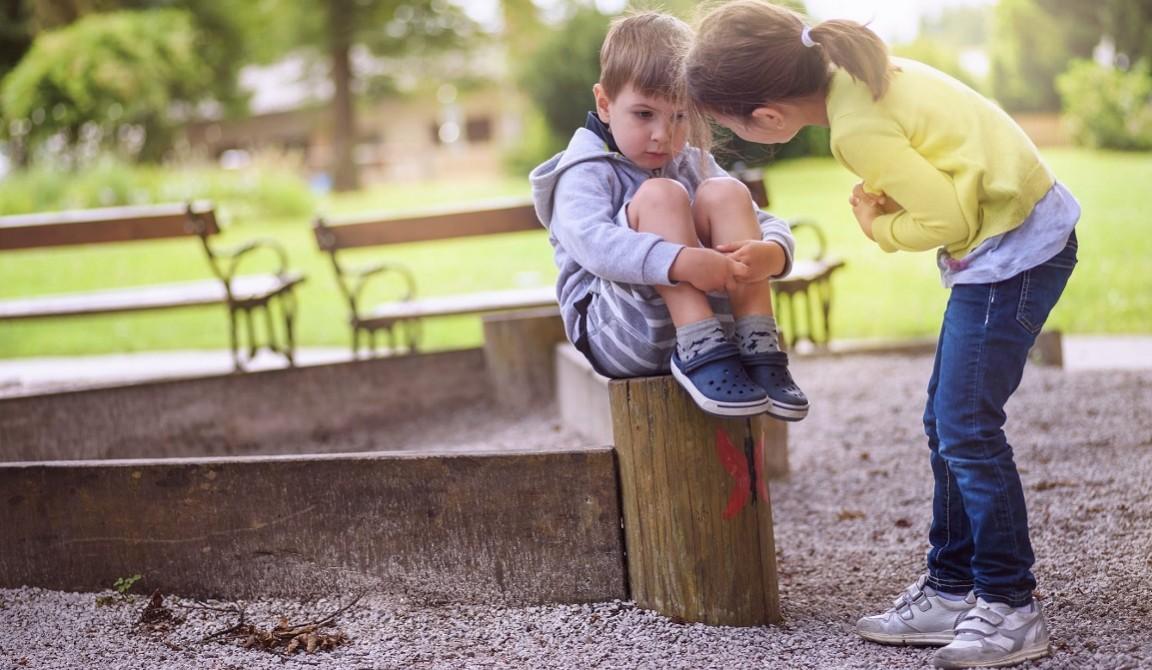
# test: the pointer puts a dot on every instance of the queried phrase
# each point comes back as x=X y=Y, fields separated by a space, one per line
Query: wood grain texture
x=519 y=348
x=685 y=559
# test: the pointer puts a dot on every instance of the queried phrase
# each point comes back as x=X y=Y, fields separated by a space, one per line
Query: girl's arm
x=931 y=216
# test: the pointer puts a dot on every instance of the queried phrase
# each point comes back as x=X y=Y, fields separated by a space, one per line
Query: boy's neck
x=602 y=131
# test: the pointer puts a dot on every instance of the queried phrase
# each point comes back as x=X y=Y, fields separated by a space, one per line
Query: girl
x=941 y=168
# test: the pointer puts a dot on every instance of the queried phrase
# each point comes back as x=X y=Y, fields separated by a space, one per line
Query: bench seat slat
x=183 y=294
x=467 y=303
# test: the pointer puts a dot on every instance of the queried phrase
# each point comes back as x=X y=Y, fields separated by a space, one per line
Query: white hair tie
x=806 y=37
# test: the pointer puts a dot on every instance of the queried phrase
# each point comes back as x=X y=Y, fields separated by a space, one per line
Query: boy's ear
x=602 y=103
x=768 y=117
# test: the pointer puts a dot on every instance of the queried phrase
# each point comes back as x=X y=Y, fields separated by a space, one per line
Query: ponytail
x=749 y=52
x=857 y=50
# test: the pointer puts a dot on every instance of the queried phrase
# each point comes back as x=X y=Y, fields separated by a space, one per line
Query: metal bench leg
x=234 y=338
x=288 y=313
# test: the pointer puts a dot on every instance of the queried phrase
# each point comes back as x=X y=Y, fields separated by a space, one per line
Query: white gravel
x=850 y=530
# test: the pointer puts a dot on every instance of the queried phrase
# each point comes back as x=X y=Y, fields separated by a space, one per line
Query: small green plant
x=121 y=586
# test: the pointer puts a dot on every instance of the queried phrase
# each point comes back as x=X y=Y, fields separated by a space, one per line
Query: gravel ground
x=850 y=530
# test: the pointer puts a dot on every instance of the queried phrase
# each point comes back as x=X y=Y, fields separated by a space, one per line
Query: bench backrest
x=506 y=216
x=112 y=224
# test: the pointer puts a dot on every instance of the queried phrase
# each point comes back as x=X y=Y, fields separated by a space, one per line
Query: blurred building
x=439 y=135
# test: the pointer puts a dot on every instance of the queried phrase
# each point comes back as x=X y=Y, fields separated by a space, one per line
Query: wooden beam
x=519 y=348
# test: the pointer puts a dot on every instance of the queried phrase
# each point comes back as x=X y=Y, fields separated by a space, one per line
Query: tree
x=1127 y=22
x=108 y=77
x=1030 y=47
x=15 y=35
x=406 y=32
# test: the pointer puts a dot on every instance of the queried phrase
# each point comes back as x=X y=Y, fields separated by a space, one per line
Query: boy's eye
x=680 y=116
x=644 y=114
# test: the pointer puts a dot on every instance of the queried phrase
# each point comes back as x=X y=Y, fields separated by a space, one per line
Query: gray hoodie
x=578 y=194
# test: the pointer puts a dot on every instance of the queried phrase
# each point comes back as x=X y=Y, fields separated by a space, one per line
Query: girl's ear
x=602 y=103
x=768 y=117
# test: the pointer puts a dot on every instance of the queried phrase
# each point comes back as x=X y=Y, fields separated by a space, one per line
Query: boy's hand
x=764 y=259
x=706 y=269
x=867 y=207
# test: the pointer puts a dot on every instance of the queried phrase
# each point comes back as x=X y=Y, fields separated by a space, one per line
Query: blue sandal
x=718 y=383
x=770 y=371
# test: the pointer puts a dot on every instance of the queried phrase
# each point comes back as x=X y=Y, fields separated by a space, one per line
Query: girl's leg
x=950 y=556
x=988 y=330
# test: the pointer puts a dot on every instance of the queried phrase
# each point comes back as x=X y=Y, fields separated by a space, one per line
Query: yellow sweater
x=959 y=166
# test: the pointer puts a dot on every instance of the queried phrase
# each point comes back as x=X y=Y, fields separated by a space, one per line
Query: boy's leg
x=705 y=363
x=723 y=213
x=662 y=207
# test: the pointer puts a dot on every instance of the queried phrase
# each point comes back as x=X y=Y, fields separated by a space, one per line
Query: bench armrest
x=821 y=241
x=232 y=256
x=355 y=280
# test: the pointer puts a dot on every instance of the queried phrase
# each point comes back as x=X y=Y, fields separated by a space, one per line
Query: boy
x=664 y=259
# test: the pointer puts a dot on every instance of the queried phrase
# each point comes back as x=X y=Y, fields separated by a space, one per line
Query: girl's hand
x=867 y=207
x=763 y=259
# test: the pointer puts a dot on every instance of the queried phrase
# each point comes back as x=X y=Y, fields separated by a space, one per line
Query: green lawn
x=877 y=294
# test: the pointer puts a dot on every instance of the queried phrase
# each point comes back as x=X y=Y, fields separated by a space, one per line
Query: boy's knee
x=660 y=193
x=721 y=191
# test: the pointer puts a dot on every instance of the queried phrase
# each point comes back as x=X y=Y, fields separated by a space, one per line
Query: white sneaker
x=993 y=635
x=920 y=616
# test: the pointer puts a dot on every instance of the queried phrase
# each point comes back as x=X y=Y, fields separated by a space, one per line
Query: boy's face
x=650 y=131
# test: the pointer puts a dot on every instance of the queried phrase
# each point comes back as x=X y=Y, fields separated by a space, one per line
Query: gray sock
x=699 y=338
x=756 y=334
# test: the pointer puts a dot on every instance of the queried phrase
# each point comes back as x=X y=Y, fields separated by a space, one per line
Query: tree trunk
x=341 y=24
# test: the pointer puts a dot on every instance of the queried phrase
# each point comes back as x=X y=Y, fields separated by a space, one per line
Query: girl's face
x=765 y=126
x=650 y=131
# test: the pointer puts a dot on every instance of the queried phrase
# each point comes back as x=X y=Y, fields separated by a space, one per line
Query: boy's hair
x=749 y=52
x=647 y=50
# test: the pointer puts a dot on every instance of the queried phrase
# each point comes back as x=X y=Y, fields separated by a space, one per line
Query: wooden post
x=1049 y=349
x=697 y=515
x=519 y=348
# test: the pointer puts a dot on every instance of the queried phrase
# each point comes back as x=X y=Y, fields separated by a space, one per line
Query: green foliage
x=121 y=586
x=1108 y=108
x=938 y=55
x=263 y=190
x=1126 y=22
x=537 y=143
x=15 y=34
x=104 y=76
x=1030 y=47
x=560 y=76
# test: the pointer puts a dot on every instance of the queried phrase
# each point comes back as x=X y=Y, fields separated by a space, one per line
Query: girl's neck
x=813 y=109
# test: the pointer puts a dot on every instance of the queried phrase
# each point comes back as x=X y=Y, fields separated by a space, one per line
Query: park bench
x=398 y=319
x=402 y=317
x=244 y=295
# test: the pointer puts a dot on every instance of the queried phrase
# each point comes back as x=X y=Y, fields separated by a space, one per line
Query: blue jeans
x=979 y=533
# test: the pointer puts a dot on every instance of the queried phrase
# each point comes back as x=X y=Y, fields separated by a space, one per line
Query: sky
x=893 y=20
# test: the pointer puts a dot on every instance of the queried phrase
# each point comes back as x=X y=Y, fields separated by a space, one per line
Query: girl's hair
x=748 y=53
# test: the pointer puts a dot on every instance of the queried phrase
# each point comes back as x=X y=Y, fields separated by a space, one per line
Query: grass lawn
x=877 y=294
